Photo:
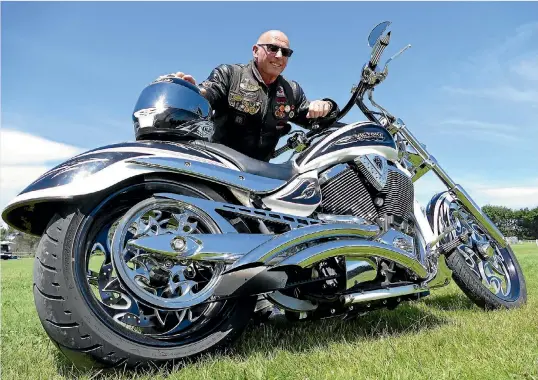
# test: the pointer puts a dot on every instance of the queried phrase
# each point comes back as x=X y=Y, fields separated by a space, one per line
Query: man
x=253 y=102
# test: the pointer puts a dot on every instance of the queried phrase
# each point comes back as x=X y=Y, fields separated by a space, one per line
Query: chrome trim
x=359 y=270
x=400 y=240
x=291 y=303
x=269 y=252
x=234 y=178
x=442 y=275
x=331 y=218
x=480 y=216
x=332 y=172
x=204 y=247
x=211 y=206
x=201 y=204
x=379 y=294
x=455 y=189
x=354 y=248
x=130 y=276
x=375 y=168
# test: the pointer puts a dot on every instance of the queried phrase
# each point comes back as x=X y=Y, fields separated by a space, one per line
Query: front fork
x=421 y=161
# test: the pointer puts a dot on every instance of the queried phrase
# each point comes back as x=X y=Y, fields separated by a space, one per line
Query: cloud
x=23 y=148
x=527 y=68
x=504 y=93
x=481 y=130
x=483 y=192
x=24 y=157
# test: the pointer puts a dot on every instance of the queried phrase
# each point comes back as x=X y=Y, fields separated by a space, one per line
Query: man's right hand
x=188 y=78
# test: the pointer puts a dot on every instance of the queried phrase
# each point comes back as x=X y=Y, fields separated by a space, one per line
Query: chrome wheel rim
x=490 y=263
x=182 y=292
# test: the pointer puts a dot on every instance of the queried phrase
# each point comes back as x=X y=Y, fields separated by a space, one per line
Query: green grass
x=442 y=336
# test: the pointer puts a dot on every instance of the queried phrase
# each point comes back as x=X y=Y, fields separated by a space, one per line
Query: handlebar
x=369 y=79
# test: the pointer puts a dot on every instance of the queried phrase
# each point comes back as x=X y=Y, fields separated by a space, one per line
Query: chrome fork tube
x=456 y=190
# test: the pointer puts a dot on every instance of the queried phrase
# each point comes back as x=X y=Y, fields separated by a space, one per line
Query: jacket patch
x=239 y=102
x=249 y=85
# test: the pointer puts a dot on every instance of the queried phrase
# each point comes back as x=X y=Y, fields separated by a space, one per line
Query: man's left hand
x=318 y=108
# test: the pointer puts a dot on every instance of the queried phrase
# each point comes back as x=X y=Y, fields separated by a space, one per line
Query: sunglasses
x=286 y=52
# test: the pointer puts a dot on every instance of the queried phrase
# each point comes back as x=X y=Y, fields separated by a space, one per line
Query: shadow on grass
x=306 y=336
x=450 y=302
x=295 y=337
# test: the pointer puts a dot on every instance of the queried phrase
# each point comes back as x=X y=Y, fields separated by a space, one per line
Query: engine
x=370 y=188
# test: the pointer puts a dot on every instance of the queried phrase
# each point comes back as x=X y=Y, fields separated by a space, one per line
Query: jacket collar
x=258 y=76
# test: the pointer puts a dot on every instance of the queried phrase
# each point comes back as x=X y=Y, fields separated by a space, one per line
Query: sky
x=71 y=73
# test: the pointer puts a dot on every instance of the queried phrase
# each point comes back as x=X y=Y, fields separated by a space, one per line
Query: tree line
x=522 y=223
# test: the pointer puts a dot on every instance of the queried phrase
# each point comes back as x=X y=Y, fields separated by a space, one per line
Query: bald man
x=253 y=102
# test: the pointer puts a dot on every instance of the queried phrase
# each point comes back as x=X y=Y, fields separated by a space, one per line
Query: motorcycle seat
x=284 y=171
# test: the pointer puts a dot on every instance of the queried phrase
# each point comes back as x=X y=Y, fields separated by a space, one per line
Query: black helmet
x=173 y=109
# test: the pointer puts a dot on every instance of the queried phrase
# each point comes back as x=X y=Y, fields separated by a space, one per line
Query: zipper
x=266 y=91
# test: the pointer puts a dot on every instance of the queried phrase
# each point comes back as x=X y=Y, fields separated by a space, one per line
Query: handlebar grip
x=380 y=47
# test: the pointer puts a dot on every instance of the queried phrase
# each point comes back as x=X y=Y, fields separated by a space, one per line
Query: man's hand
x=318 y=108
x=187 y=77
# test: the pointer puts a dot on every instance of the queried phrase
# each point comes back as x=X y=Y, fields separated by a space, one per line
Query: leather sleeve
x=301 y=105
x=217 y=85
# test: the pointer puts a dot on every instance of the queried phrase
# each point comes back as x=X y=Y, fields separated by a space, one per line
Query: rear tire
x=90 y=337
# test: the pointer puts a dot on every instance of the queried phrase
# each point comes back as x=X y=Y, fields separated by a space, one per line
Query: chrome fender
x=100 y=169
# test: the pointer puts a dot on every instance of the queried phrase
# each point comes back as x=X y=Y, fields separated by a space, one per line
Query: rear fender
x=98 y=172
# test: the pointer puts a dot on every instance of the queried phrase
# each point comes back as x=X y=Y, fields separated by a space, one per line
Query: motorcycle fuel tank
x=347 y=143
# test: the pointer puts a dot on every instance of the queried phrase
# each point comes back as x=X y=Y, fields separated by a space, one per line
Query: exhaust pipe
x=379 y=294
x=279 y=246
x=358 y=249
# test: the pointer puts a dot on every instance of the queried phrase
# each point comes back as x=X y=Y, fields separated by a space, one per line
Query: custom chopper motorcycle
x=161 y=249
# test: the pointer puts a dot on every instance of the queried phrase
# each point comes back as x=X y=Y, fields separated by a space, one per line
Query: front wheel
x=487 y=273
x=108 y=308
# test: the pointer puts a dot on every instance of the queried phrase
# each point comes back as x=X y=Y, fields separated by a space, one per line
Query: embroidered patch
x=249 y=85
x=239 y=102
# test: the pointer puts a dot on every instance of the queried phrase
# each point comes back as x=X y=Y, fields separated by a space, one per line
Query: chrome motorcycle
x=153 y=251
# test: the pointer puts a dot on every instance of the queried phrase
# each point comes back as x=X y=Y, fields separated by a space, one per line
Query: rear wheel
x=108 y=307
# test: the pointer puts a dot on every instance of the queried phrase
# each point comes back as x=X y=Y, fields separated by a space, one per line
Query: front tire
x=76 y=320
x=487 y=273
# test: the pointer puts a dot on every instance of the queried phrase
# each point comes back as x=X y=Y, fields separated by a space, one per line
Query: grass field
x=442 y=336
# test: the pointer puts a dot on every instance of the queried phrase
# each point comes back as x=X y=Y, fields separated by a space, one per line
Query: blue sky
x=71 y=74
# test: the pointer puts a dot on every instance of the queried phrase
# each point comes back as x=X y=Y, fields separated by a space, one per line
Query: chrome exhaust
x=353 y=248
x=379 y=294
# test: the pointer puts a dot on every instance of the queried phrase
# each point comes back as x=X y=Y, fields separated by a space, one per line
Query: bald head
x=274 y=37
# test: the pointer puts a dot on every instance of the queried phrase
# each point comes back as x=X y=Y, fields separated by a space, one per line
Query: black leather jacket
x=251 y=116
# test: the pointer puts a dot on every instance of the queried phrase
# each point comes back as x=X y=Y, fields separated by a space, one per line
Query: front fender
x=103 y=168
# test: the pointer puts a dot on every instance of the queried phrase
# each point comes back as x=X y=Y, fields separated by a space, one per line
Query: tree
x=522 y=223
x=504 y=218
x=528 y=220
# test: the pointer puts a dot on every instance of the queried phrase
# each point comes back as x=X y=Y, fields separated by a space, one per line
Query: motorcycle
x=160 y=249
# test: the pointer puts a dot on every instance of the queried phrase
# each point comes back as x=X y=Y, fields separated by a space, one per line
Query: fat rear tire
x=81 y=334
